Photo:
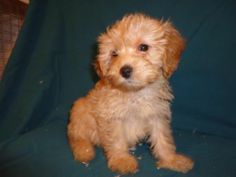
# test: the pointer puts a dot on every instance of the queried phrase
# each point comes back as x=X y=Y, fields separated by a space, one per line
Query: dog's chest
x=136 y=106
x=139 y=107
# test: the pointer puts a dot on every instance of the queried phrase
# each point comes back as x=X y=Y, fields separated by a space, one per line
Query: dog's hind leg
x=82 y=132
x=164 y=148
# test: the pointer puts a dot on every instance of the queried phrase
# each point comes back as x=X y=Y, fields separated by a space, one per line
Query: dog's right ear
x=98 y=68
x=104 y=56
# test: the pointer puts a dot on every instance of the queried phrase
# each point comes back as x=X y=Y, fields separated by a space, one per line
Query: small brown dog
x=131 y=100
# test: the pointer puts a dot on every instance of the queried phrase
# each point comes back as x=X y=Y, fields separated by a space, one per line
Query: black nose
x=126 y=71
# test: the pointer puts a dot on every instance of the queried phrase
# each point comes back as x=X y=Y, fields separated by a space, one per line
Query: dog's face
x=137 y=51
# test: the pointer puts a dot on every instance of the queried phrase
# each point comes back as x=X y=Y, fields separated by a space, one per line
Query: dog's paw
x=177 y=162
x=123 y=164
x=83 y=151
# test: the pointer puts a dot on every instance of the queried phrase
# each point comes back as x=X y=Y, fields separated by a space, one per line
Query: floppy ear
x=101 y=66
x=103 y=58
x=174 y=47
x=98 y=69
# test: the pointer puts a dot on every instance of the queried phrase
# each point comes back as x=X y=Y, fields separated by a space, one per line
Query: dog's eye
x=143 y=47
x=114 y=53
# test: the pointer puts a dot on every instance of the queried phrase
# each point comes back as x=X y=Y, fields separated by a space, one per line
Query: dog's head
x=138 y=50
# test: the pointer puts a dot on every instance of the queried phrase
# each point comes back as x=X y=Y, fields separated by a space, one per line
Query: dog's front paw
x=123 y=163
x=177 y=162
x=83 y=151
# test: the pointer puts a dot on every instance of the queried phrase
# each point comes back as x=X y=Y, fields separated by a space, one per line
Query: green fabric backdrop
x=51 y=66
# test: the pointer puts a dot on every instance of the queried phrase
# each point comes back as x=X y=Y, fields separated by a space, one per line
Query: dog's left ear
x=174 y=47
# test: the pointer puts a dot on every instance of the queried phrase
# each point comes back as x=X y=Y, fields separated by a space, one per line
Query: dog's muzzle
x=126 y=71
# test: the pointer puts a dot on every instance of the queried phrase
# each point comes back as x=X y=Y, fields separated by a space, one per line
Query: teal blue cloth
x=50 y=67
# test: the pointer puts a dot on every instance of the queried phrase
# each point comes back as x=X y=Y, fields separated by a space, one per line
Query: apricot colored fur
x=122 y=108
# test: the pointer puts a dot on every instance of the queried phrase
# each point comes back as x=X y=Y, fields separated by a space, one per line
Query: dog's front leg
x=164 y=148
x=116 y=147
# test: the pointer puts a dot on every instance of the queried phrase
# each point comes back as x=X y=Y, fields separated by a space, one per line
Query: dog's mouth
x=129 y=84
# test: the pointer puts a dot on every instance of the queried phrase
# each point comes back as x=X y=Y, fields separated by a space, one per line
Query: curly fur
x=120 y=111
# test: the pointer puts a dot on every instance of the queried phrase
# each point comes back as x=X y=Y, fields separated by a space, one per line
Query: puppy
x=131 y=101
